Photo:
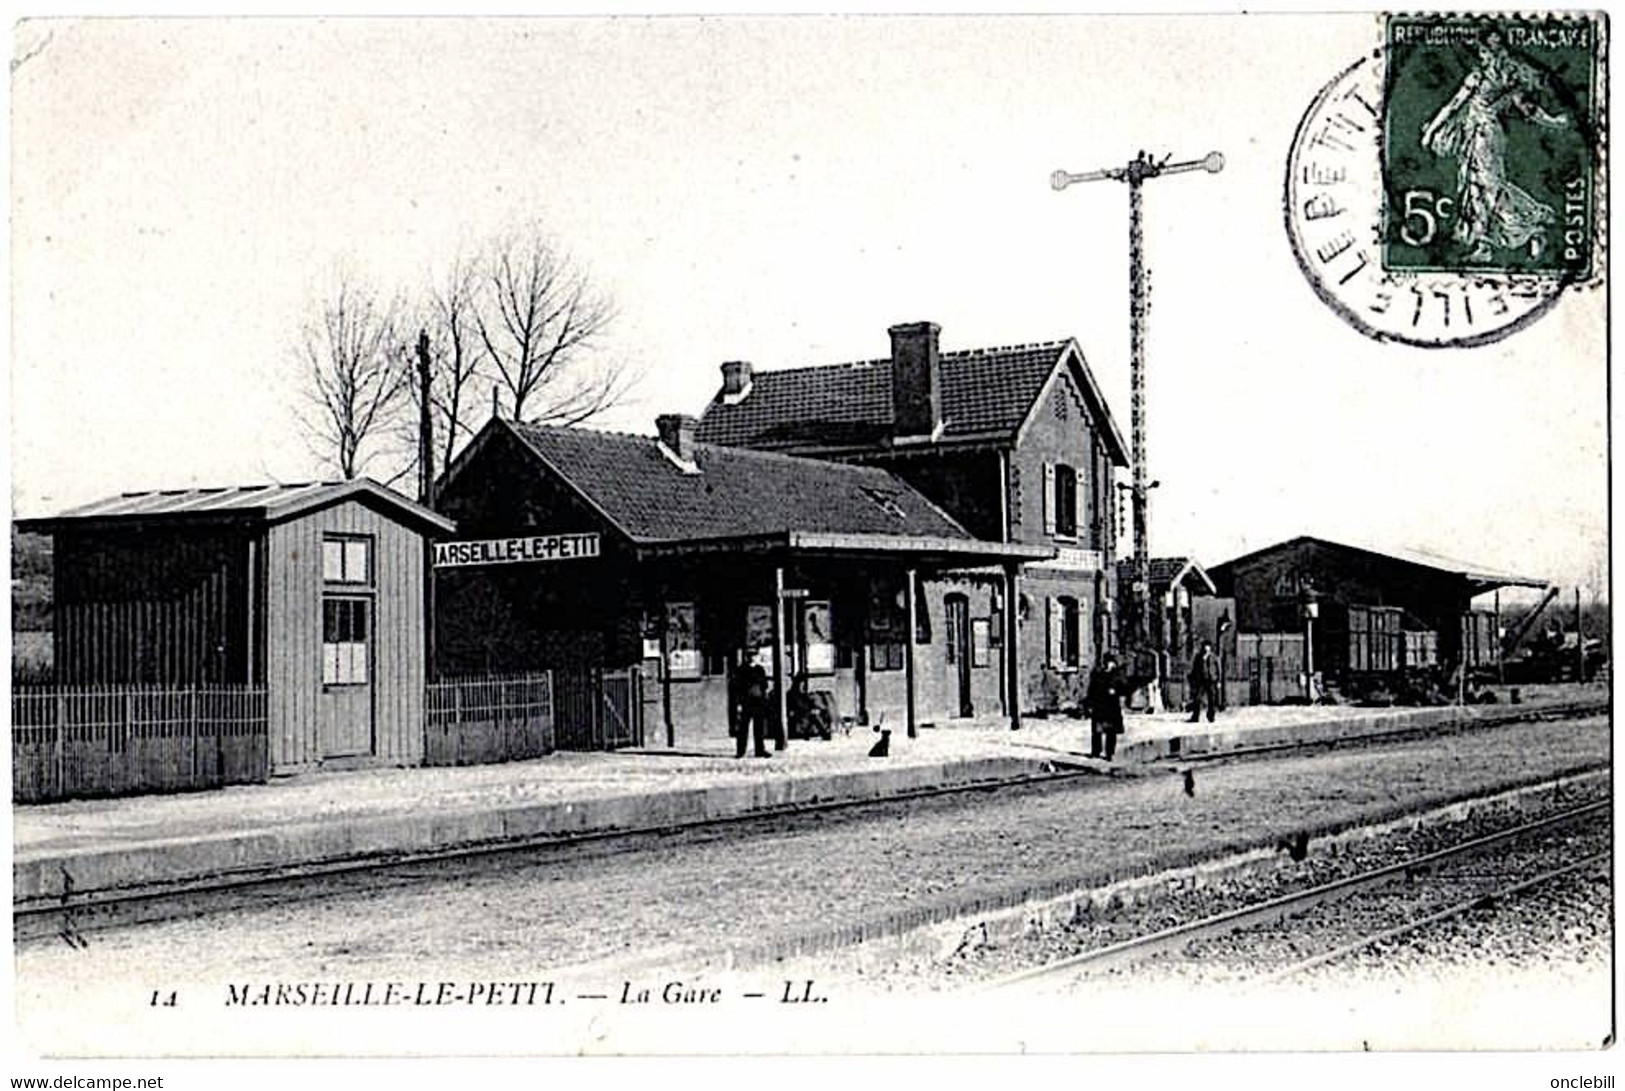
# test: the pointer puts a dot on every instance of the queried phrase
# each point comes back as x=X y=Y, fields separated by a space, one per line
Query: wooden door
x=959 y=653
x=344 y=709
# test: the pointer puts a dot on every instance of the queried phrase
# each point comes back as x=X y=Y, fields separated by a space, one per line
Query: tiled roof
x=270 y=503
x=1165 y=570
x=985 y=392
x=737 y=493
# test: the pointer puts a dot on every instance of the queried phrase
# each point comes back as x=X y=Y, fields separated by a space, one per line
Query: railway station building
x=588 y=552
x=1016 y=443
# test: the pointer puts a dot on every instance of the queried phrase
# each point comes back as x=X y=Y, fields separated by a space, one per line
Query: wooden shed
x=1371 y=613
x=313 y=591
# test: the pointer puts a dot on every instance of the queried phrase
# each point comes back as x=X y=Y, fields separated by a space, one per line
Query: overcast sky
x=776 y=190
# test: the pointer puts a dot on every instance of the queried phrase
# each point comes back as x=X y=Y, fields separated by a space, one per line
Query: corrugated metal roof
x=1466 y=569
x=1488 y=577
x=238 y=498
x=267 y=503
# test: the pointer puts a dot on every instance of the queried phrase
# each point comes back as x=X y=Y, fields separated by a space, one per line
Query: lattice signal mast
x=1135 y=173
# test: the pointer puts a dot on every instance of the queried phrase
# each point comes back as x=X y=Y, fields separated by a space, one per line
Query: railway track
x=78 y=913
x=90 y=911
x=1175 y=943
x=1528 y=714
x=1044 y=797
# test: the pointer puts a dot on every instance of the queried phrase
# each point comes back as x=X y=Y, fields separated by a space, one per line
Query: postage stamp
x=1442 y=190
x=1490 y=143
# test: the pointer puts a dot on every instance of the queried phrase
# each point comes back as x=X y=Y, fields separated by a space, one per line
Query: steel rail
x=33 y=920
x=1456 y=910
x=94 y=911
x=1141 y=947
x=1379 y=738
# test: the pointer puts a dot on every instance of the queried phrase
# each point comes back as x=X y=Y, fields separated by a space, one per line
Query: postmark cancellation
x=1444 y=189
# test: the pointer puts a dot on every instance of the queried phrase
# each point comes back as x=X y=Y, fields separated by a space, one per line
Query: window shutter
x=1085 y=654
x=1052 y=632
x=1049 y=498
x=1096 y=538
x=1080 y=525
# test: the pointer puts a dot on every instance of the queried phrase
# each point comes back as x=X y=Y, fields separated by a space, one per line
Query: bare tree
x=459 y=356
x=356 y=372
x=537 y=315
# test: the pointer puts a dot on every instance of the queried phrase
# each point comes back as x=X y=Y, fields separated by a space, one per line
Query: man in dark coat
x=1105 y=705
x=751 y=703
x=1204 y=682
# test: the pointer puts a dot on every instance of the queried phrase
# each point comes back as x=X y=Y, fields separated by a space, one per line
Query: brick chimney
x=677 y=435
x=735 y=381
x=916 y=378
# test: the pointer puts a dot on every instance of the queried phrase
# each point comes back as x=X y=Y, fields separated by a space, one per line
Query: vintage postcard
x=833 y=534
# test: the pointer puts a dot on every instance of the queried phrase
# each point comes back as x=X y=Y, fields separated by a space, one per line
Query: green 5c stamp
x=1489 y=144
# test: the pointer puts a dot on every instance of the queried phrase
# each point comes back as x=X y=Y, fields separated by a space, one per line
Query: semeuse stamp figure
x=1492 y=210
x=1488 y=148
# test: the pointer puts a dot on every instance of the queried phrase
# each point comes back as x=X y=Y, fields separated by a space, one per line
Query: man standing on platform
x=1204 y=682
x=751 y=702
x=1105 y=707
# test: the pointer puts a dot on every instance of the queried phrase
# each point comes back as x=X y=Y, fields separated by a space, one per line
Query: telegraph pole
x=425 y=422
x=1135 y=173
x=426 y=495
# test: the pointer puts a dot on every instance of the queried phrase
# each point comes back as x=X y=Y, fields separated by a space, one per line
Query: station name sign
x=546 y=547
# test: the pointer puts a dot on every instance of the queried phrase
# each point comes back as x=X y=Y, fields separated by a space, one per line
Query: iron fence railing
x=599 y=709
x=72 y=742
x=472 y=721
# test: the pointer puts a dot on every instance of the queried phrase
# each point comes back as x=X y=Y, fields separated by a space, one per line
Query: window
x=346 y=560
x=1069 y=632
x=344 y=642
x=1060 y=500
x=886 y=657
x=1066 y=501
x=981 y=638
x=1063 y=632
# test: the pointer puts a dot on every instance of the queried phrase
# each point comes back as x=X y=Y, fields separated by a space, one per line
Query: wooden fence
x=1265 y=669
x=472 y=721
x=115 y=740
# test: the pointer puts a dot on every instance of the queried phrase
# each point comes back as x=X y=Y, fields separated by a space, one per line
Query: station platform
x=76 y=851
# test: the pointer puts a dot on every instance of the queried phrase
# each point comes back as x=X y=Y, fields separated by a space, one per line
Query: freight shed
x=314 y=592
x=1370 y=613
